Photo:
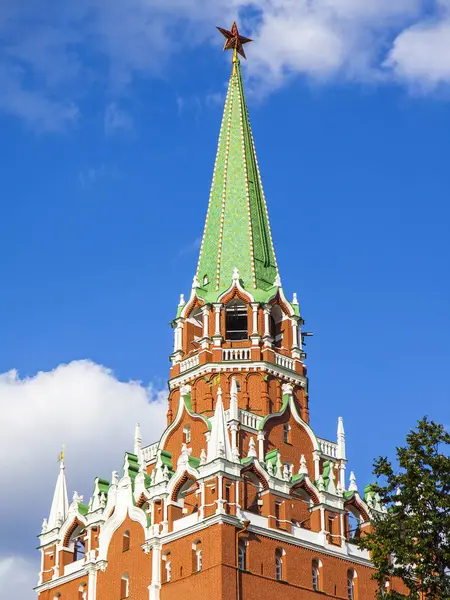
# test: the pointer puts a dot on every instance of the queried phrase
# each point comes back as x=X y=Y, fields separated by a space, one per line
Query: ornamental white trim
x=124 y=506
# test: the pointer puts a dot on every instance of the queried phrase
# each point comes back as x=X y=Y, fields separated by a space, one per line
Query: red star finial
x=234 y=41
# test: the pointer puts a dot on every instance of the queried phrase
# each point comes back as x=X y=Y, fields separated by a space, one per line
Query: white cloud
x=81 y=405
x=56 y=56
x=18 y=576
x=421 y=54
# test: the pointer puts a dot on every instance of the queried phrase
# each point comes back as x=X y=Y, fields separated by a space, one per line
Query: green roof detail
x=272 y=457
x=237 y=231
x=102 y=486
x=83 y=509
x=194 y=462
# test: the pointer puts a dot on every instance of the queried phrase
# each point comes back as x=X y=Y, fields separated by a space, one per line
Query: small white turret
x=137 y=441
x=234 y=416
x=341 y=439
x=341 y=455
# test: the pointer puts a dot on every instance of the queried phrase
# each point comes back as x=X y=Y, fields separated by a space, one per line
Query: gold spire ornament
x=234 y=41
x=61 y=454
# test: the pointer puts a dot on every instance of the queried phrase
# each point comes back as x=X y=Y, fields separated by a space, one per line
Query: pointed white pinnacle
x=182 y=300
x=235 y=274
x=294 y=298
x=303 y=466
x=203 y=457
x=219 y=442
x=60 y=503
x=251 y=448
x=353 y=486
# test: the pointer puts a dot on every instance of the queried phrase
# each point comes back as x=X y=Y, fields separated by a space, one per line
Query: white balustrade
x=284 y=361
x=249 y=419
x=236 y=354
x=149 y=452
x=328 y=448
x=189 y=363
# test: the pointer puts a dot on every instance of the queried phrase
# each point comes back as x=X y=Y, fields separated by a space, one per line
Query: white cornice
x=263 y=366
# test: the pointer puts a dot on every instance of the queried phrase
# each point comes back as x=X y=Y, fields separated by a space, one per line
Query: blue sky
x=109 y=118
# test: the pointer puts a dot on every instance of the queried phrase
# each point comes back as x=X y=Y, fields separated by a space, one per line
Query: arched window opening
x=77 y=542
x=287 y=433
x=279 y=564
x=242 y=556
x=126 y=541
x=353 y=527
x=82 y=592
x=236 y=320
x=276 y=326
x=197 y=556
x=205 y=279
x=188 y=496
x=316 y=571
x=351 y=584
x=167 y=570
x=124 y=586
x=57 y=596
x=187 y=434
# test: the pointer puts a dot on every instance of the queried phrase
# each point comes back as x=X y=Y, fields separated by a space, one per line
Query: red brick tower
x=239 y=499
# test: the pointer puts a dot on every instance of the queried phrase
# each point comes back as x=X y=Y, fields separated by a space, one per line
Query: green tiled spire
x=237 y=231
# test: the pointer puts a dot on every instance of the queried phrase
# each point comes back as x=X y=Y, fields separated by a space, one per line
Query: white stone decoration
x=44 y=526
x=279 y=468
x=252 y=448
x=303 y=470
x=203 y=457
x=287 y=389
x=183 y=459
x=353 y=487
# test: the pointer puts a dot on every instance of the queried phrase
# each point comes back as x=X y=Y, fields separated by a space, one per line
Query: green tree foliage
x=411 y=539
